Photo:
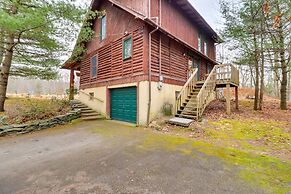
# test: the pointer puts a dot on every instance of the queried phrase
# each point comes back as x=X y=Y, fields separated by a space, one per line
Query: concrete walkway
x=108 y=157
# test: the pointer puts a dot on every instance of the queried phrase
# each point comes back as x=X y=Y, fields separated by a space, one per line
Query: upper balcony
x=226 y=74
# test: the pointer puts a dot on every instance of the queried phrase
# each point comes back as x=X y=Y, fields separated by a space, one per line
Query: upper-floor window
x=206 y=48
x=200 y=43
x=94 y=66
x=127 y=48
x=103 y=28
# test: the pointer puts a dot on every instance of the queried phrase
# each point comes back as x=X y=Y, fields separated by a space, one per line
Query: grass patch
x=251 y=134
x=269 y=173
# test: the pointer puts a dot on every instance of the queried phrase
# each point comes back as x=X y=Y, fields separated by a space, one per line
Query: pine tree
x=34 y=34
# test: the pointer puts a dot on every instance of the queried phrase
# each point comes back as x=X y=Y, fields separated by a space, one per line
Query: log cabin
x=147 y=55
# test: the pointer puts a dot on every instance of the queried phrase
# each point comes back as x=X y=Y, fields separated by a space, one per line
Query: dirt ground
x=109 y=157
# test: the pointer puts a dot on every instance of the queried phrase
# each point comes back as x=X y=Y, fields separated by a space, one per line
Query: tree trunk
x=289 y=85
x=4 y=75
x=262 y=75
x=284 y=83
x=257 y=79
x=283 y=91
x=1 y=46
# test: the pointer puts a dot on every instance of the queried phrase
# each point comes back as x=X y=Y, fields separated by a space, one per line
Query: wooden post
x=228 y=98
x=236 y=98
x=72 y=85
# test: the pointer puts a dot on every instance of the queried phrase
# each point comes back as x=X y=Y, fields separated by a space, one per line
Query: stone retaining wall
x=40 y=125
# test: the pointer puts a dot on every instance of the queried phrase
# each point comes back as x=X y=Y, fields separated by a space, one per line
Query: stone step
x=87 y=111
x=81 y=106
x=91 y=118
x=90 y=114
x=180 y=121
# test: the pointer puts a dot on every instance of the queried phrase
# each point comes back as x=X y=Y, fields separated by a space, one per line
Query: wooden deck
x=227 y=74
x=196 y=95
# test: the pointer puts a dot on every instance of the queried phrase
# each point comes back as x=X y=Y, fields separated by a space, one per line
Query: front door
x=197 y=64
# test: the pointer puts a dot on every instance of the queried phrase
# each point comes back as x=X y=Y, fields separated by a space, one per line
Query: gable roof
x=184 y=5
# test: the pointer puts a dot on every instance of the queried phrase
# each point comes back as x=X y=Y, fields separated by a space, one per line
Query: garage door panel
x=123 y=104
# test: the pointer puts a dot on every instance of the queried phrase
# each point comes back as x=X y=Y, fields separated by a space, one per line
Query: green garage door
x=123 y=104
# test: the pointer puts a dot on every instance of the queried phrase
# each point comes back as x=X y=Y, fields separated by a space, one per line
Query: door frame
x=197 y=59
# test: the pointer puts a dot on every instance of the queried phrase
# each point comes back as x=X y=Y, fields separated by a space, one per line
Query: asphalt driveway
x=109 y=157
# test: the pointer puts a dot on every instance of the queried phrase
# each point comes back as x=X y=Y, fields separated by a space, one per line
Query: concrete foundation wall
x=159 y=98
x=96 y=105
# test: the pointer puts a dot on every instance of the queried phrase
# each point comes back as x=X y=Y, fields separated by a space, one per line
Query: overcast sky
x=209 y=9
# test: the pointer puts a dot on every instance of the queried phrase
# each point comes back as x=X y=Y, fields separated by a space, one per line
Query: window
x=205 y=48
x=94 y=67
x=103 y=28
x=127 y=48
x=200 y=43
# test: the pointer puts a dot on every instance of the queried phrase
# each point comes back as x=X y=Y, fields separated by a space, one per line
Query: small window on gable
x=127 y=48
x=103 y=28
x=205 y=48
x=199 y=43
x=94 y=67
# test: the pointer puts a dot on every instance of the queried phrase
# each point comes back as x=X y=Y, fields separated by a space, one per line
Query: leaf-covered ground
x=22 y=110
x=257 y=141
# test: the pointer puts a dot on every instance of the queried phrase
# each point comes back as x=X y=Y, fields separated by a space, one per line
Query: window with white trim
x=94 y=66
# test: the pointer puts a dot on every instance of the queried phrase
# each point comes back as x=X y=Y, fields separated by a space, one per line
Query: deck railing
x=227 y=74
x=186 y=90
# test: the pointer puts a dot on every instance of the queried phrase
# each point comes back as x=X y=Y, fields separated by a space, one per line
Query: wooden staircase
x=87 y=114
x=188 y=109
x=196 y=95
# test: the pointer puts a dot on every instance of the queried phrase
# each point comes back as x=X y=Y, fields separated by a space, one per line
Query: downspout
x=160 y=49
x=150 y=74
x=150 y=57
x=149 y=11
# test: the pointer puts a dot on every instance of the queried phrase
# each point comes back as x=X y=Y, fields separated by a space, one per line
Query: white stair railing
x=205 y=95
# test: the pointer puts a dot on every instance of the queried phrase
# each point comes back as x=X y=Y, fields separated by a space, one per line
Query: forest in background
x=257 y=35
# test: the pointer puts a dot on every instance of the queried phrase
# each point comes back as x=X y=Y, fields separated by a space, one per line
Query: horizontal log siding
x=177 y=23
x=174 y=63
x=111 y=65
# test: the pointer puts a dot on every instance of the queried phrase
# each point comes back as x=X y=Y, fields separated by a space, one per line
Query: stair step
x=191 y=113
x=90 y=114
x=186 y=116
x=191 y=100
x=81 y=107
x=92 y=118
x=86 y=108
x=87 y=111
x=190 y=108
x=180 y=121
